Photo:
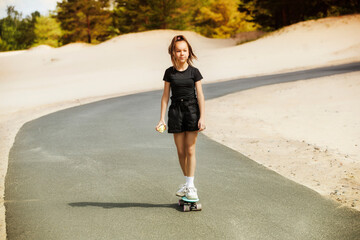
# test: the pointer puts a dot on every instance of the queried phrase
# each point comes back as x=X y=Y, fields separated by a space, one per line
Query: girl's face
x=181 y=51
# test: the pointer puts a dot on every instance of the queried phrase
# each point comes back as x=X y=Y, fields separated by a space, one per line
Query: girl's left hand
x=201 y=125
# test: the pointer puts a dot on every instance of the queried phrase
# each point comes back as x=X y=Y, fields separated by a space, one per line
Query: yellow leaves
x=221 y=19
x=207 y=15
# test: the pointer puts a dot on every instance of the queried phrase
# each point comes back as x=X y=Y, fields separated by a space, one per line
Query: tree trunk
x=164 y=5
x=88 y=28
x=284 y=16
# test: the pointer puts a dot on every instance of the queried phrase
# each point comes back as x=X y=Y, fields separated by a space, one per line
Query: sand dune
x=126 y=63
x=113 y=66
x=44 y=79
x=308 y=131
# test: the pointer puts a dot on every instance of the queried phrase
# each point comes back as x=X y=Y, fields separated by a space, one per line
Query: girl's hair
x=171 y=50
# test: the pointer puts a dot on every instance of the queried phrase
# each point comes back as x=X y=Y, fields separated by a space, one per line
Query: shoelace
x=191 y=190
x=182 y=188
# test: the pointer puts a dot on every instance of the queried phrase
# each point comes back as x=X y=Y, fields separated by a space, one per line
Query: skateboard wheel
x=186 y=208
x=181 y=202
x=198 y=206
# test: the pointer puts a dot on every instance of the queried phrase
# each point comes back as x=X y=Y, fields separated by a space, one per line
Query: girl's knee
x=181 y=153
x=190 y=150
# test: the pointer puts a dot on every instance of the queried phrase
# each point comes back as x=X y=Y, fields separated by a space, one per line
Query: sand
x=307 y=131
x=42 y=80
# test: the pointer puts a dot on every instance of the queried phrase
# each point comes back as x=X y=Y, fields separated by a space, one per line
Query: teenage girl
x=187 y=110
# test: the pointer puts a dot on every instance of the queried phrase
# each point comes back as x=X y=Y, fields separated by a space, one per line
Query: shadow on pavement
x=123 y=205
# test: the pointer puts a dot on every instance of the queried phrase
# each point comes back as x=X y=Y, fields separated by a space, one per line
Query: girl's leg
x=179 y=139
x=190 y=141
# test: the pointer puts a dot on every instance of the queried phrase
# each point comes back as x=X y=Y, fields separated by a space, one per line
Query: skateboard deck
x=189 y=204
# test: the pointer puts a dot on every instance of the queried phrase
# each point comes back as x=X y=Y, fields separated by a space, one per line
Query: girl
x=186 y=112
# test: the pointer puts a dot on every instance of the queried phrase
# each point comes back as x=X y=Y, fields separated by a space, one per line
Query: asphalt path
x=101 y=171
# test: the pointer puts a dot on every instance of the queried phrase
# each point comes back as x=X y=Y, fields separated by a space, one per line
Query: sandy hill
x=136 y=61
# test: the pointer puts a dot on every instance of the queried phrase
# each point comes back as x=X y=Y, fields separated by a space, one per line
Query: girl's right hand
x=159 y=124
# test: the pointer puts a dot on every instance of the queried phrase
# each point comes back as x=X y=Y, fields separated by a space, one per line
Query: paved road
x=100 y=171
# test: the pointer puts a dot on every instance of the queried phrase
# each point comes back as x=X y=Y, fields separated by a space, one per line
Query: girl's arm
x=201 y=102
x=164 y=101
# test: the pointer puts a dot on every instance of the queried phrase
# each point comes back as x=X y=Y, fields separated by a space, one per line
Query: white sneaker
x=182 y=190
x=191 y=193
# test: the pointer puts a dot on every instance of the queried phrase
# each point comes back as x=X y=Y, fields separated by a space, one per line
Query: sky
x=26 y=7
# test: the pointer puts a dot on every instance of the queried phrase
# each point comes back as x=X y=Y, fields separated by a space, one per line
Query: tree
x=183 y=18
x=26 y=28
x=219 y=19
x=141 y=15
x=15 y=32
x=47 y=31
x=208 y=17
x=84 y=20
x=8 y=27
x=274 y=14
x=129 y=16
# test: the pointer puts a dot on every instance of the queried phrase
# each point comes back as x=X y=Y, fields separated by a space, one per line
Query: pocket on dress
x=171 y=117
x=194 y=112
x=194 y=108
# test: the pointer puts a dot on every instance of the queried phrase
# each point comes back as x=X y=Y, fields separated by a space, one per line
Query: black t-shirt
x=182 y=83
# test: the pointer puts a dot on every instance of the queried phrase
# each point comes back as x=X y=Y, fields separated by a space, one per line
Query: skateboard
x=189 y=204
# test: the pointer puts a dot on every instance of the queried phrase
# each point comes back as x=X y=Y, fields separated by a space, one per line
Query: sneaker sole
x=192 y=198
x=180 y=195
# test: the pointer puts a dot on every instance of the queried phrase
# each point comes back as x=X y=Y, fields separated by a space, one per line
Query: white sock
x=190 y=181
